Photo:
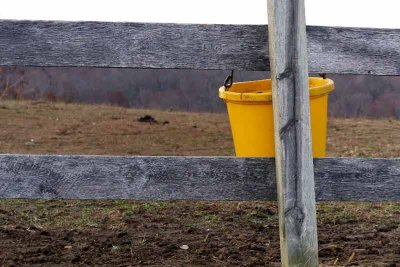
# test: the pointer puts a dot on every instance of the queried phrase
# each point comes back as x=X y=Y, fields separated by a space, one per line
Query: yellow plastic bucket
x=250 y=113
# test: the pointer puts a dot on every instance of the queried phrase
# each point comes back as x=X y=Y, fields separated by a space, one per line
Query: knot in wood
x=296 y=215
x=287 y=73
x=287 y=127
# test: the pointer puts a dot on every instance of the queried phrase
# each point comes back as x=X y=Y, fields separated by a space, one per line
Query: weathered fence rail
x=193 y=46
x=195 y=178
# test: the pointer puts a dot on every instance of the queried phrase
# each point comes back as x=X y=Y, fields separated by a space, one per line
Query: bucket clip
x=228 y=81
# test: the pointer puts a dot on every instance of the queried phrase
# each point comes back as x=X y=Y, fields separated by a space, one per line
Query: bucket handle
x=228 y=81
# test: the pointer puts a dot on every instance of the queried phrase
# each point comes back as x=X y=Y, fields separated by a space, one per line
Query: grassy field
x=135 y=233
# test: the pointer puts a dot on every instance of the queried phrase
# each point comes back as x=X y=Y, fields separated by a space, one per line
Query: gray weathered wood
x=354 y=50
x=131 y=178
x=202 y=178
x=141 y=45
x=361 y=179
x=137 y=45
x=294 y=164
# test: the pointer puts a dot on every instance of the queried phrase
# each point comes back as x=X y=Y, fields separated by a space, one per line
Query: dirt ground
x=177 y=233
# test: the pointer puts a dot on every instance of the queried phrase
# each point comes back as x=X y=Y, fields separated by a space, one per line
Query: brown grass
x=59 y=128
x=363 y=138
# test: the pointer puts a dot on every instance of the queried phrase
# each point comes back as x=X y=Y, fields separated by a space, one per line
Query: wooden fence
x=191 y=46
x=244 y=47
x=201 y=178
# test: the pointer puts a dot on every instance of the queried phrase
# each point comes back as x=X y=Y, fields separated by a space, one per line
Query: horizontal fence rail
x=190 y=178
x=191 y=46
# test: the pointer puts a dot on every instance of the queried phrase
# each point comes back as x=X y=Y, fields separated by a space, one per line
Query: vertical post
x=294 y=164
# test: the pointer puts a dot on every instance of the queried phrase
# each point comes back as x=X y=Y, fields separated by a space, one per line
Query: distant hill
x=187 y=90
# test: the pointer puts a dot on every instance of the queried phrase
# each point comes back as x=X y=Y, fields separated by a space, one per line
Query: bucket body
x=250 y=112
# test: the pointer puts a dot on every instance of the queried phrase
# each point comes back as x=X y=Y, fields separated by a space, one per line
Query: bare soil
x=177 y=233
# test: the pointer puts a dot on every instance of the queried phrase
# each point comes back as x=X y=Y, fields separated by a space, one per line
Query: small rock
x=68 y=247
x=185 y=247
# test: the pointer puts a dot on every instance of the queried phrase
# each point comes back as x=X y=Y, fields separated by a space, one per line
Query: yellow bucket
x=250 y=113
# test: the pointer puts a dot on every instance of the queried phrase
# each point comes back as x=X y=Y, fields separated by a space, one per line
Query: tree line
x=186 y=90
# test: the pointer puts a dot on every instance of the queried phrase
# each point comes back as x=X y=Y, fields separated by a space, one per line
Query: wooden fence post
x=294 y=164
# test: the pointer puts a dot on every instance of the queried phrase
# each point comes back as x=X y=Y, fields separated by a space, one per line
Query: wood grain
x=135 y=45
x=294 y=164
x=191 y=178
x=191 y=46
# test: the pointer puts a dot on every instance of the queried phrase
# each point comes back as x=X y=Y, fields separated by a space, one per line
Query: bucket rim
x=266 y=96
